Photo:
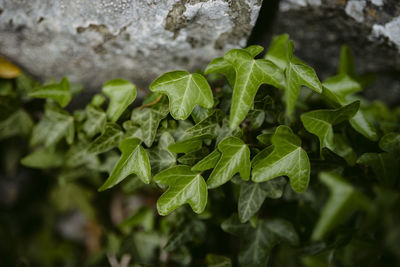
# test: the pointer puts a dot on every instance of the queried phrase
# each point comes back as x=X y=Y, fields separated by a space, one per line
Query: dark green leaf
x=108 y=140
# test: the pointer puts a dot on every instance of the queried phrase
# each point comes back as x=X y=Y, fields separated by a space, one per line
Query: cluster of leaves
x=296 y=171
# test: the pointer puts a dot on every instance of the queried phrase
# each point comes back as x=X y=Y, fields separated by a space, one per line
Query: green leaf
x=95 y=122
x=185 y=233
x=218 y=261
x=321 y=122
x=43 y=159
x=385 y=167
x=390 y=142
x=346 y=64
x=208 y=126
x=134 y=159
x=149 y=120
x=252 y=196
x=208 y=162
x=343 y=200
x=250 y=74
x=54 y=125
x=184 y=91
x=343 y=149
x=199 y=113
x=108 y=140
x=222 y=66
x=144 y=217
x=277 y=51
x=185 y=186
x=235 y=158
x=160 y=157
x=18 y=123
x=59 y=92
x=194 y=156
x=287 y=158
x=121 y=93
x=187 y=145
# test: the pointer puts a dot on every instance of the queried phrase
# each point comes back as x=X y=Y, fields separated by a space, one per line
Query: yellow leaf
x=8 y=70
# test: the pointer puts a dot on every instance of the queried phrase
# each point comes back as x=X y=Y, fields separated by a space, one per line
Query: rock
x=94 y=41
x=370 y=27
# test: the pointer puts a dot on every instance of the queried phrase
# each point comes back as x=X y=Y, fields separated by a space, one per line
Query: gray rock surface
x=370 y=27
x=91 y=41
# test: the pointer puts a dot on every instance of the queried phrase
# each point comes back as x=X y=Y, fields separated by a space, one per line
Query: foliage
x=254 y=162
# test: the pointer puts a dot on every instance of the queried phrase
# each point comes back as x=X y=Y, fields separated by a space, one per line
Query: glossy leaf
x=121 y=94
x=252 y=196
x=194 y=156
x=235 y=158
x=108 y=140
x=277 y=51
x=185 y=186
x=321 y=122
x=208 y=126
x=184 y=91
x=187 y=145
x=149 y=120
x=59 y=92
x=160 y=157
x=134 y=159
x=208 y=162
x=250 y=74
x=343 y=200
x=95 y=122
x=287 y=158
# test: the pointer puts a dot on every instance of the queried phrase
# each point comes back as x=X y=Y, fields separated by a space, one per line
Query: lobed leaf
x=59 y=92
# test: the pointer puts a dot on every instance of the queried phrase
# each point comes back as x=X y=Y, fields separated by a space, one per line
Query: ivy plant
x=252 y=162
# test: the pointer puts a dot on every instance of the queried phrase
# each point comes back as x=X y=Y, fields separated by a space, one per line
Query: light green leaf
x=287 y=158
x=184 y=91
x=277 y=51
x=59 y=92
x=108 y=140
x=199 y=113
x=185 y=186
x=149 y=120
x=95 y=122
x=321 y=122
x=54 y=125
x=132 y=130
x=222 y=66
x=385 y=167
x=390 y=142
x=208 y=162
x=218 y=261
x=121 y=93
x=250 y=74
x=346 y=64
x=18 y=123
x=43 y=159
x=343 y=200
x=134 y=159
x=362 y=125
x=160 y=157
x=252 y=196
x=235 y=158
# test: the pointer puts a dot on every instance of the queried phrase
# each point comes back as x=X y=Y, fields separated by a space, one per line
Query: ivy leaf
x=207 y=162
x=194 y=156
x=121 y=93
x=390 y=142
x=59 y=92
x=287 y=158
x=95 y=122
x=185 y=233
x=384 y=165
x=222 y=66
x=149 y=120
x=218 y=261
x=134 y=159
x=321 y=122
x=108 y=140
x=184 y=91
x=277 y=51
x=250 y=74
x=343 y=149
x=185 y=186
x=208 y=126
x=235 y=158
x=54 y=125
x=18 y=123
x=343 y=200
x=339 y=89
x=199 y=113
x=132 y=130
x=188 y=145
x=252 y=196
x=43 y=159
x=160 y=157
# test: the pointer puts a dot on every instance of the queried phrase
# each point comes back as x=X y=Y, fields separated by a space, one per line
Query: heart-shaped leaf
x=134 y=159
x=184 y=91
x=287 y=158
x=185 y=186
x=235 y=158
x=121 y=93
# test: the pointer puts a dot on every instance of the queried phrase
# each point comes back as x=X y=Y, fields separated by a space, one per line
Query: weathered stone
x=91 y=41
x=370 y=27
